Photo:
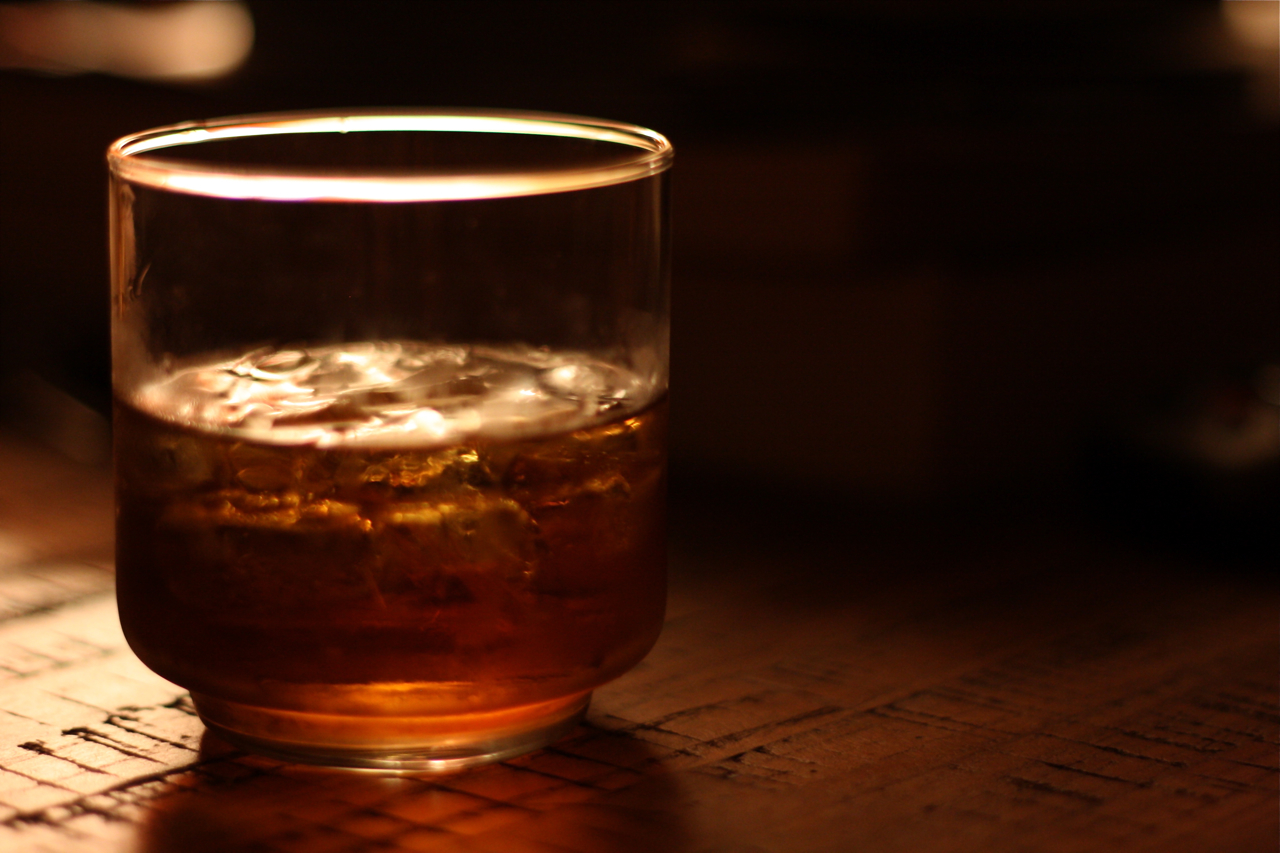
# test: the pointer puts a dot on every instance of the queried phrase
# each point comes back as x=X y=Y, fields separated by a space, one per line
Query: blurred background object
x=924 y=251
x=178 y=42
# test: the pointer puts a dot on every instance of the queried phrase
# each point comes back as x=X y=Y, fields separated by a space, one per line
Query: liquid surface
x=392 y=528
x=393 y=393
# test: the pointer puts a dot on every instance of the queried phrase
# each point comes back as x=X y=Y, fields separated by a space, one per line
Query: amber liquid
x=336 y=575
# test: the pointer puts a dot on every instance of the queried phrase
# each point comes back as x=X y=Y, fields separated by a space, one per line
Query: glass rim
x=128 y=157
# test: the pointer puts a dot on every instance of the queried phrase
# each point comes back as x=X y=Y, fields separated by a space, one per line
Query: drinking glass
x=390 y=424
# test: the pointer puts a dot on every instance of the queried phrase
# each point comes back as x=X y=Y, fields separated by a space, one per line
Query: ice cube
x=262 y=468
x=284 y=365
x=179 y=462
x=477 y=532
x=591 y=382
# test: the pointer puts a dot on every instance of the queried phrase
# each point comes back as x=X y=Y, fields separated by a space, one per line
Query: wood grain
x=1022 y=687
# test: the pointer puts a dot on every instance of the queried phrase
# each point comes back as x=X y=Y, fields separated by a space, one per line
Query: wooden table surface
x=893 y=685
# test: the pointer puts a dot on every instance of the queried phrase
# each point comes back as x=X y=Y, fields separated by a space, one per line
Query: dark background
x=945 y=254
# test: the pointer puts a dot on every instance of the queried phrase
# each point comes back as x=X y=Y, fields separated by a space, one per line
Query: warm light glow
x=651 y=155
x=193 y=40
x=1253 y=22
x=1253 y=28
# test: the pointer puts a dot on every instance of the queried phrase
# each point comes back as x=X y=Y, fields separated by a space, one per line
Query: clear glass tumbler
x=390 y=424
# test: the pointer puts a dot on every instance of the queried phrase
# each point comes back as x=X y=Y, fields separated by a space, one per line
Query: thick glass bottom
x=435 y=744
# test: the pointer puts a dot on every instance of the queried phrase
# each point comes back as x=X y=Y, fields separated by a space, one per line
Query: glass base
x=437 y=744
